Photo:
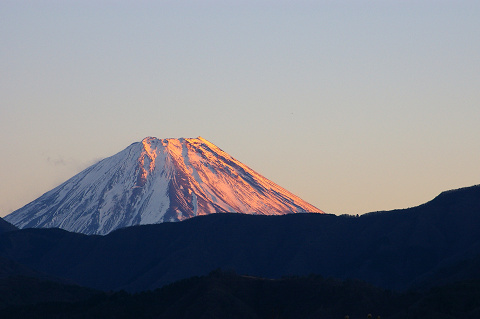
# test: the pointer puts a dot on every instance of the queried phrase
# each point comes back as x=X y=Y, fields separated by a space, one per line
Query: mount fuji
x=155 y=181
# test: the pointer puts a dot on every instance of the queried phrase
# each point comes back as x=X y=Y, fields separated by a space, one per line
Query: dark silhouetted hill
x=227 y=295
x=396 y=249
x=6 y=226
x=27 y=291
x=20 y=285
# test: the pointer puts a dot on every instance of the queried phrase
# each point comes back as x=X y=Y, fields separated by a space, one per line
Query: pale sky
x=355 y=106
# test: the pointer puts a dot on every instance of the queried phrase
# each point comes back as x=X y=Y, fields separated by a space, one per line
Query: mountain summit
x=154 y=181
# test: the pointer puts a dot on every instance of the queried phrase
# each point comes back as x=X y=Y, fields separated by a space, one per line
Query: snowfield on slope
x=154 y=181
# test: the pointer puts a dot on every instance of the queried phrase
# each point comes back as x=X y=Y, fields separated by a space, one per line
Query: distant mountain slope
x=154 y=181
x=395 y=249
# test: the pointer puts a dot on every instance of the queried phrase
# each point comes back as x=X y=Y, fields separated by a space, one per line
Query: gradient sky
x=355 y=106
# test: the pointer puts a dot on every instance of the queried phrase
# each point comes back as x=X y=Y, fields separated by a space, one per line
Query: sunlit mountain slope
x=154 y=181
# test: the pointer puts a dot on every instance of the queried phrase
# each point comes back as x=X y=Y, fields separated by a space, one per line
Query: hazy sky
x=355 y=106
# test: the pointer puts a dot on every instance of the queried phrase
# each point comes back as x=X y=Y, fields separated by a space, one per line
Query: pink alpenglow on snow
x=154 y=181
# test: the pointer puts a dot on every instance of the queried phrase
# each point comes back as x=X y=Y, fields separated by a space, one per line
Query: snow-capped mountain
x=154 y=181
